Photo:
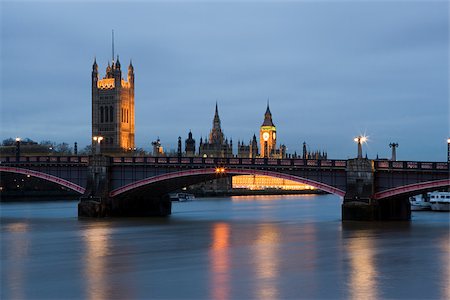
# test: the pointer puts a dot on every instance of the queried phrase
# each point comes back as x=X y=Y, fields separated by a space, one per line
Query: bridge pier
x=95 y=200
x=97 y=203
x=359 y=204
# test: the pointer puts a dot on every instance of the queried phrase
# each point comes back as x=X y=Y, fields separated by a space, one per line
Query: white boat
x=440 y=201
x=419 y=202
x=181 y=197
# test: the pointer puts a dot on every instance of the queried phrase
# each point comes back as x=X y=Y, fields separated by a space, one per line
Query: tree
x=63 y=148
x=8 y=142
x=86 y=150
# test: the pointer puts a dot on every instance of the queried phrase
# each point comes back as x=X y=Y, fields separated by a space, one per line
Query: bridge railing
x=206 y=161
x=410 y=165
x=45 y=159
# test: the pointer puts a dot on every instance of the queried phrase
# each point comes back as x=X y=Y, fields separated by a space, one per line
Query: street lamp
x=17 y=149
x=97 y=139
x=360 y=139
x=394 y=153
x=448 y=149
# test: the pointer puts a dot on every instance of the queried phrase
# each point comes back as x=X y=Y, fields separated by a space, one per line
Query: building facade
x=217 y=145
x=113 y=108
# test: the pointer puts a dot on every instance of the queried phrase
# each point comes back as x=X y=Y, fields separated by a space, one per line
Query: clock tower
x=267 y=135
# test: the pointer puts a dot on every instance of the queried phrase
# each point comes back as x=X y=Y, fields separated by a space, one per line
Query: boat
x=181 y=197
x=440 y=201
x=420 y=202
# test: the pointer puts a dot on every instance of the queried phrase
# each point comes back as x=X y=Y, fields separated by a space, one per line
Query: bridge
x=139 y=186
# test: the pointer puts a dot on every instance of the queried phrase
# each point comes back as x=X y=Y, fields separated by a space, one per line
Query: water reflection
x=17 y=253
x=97 y=247
x=220 y=261
x=363 y=271
x=446 y=265
x=267 y=261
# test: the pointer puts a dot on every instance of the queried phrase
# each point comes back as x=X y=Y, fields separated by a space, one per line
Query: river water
x=250 y=247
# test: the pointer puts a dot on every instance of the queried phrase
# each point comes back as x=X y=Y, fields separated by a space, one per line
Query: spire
x=117 y=62
x=94 y=65
x=112 y=45
x=268 y=116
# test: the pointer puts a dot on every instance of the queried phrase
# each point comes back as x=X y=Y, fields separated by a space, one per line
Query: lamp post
x=359 y=140
x=97 y=139
x=448 y=150
x=394 y=153
x=17 y=149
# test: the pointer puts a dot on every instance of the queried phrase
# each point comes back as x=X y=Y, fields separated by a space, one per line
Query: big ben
x=267 y=135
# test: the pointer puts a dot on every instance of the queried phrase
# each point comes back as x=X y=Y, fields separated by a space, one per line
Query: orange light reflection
x=97 y=244
x=220 y=262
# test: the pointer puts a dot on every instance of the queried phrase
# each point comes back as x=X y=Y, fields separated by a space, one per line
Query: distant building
x=250 y=150
x=157 y=148
x=217 y=145
x=113 y=108
x=189 y=146
x=317 y=154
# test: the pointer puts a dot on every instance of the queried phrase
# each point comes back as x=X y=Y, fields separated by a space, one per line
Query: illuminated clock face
x=265 y=136
x=274 y=135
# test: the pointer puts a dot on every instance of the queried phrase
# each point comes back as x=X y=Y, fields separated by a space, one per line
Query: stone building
x=113 y=108
x=268 y=138
x=250 y=150
x=189 y=146
x=217 y=145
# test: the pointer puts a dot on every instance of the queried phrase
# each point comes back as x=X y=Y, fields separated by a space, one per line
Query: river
x=248 y=247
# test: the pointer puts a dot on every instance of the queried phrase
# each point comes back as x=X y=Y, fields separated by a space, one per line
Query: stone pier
x=359 y=204
x=97 y=203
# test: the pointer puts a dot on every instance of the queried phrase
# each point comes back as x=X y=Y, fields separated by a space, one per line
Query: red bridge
x=371 y=189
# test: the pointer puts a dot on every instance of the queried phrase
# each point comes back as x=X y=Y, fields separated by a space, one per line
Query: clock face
x=274 y=135
x=265 y=136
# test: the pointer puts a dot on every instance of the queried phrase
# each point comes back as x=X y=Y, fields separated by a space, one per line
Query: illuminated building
x=259 y=182
x=113 y=107
x=268 y=138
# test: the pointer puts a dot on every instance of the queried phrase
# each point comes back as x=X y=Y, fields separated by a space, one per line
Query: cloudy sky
x=331 y=69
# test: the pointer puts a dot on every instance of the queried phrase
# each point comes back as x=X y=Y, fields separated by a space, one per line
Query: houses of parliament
x=113 y=124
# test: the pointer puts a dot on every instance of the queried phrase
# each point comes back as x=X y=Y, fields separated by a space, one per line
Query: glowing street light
x=360 y=139
x=18 y=149
x=220 y=170
x=97 y=139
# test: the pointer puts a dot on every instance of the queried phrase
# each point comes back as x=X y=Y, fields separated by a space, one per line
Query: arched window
x=111 y=114
x=127 y=115
x=106 y=114
x=101 y=114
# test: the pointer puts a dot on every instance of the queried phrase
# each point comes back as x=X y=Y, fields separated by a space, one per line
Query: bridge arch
x=413 y=189
x=48 y=177
x=213 y=171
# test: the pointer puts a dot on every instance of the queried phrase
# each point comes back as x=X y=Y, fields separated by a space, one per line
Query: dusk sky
x=331 y=69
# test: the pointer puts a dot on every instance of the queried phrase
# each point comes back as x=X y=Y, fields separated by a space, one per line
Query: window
x=101 y=114
x=106 y=114
x=111 y=114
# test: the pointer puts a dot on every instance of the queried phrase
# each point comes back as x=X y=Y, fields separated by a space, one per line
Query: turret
x=131 y=73
x=94 y=74
x=117 y=73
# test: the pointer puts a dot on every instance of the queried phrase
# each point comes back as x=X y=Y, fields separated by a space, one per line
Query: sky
x=331 y=70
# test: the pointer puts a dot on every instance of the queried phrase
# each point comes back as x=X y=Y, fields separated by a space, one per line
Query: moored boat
x=419 y=202
x=181 y=197
x=440 y=201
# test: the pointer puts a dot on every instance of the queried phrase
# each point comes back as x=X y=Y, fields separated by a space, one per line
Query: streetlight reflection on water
x=220 y=261
x=97 y=248
x=363 y=272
